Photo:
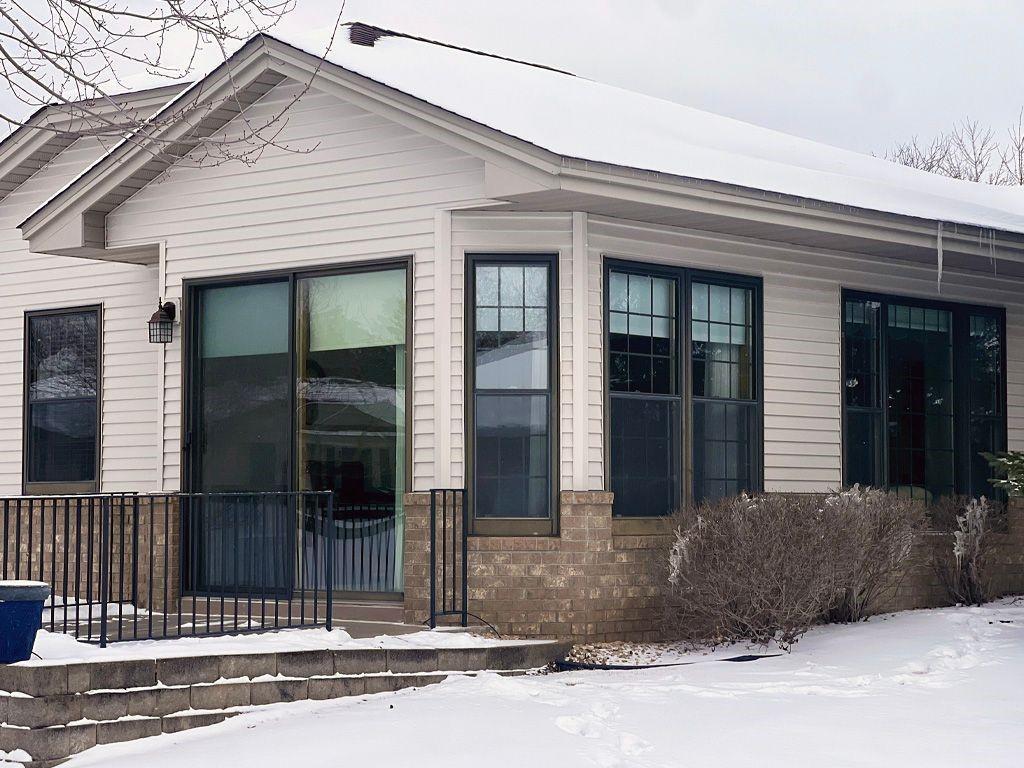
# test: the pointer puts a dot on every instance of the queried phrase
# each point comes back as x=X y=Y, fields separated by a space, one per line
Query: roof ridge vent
x=365 y=34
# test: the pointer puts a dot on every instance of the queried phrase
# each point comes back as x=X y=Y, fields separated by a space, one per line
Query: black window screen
x=645 y=402
x=724 y=390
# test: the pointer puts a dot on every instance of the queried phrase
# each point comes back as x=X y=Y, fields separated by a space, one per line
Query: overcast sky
x=856 y=73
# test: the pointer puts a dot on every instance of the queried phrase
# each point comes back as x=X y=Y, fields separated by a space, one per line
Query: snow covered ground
x=57 y=648
x=923 y=688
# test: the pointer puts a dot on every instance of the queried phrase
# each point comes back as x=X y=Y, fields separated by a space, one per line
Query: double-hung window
x=62 y=374
x=683 y=387
x=923 y=394
x=511 y=368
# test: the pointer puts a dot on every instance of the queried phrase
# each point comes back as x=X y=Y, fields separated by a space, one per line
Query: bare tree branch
x=76 y=55
x=969 y=151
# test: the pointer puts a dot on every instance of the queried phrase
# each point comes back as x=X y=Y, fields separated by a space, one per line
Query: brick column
x=416 y=560
x=159 y=540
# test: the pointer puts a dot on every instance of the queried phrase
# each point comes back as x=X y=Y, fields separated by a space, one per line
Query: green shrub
x=1009 y=469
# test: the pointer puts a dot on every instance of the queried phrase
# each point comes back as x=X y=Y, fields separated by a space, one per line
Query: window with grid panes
x=658 y=426
x=924 y=395
x=512 y=388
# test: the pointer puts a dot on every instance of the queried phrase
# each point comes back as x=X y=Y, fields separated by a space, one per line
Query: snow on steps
x=59 y=710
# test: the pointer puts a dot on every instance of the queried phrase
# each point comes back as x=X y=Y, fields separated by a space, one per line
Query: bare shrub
x=752 y=568
x=878 y=531
x=961 y=563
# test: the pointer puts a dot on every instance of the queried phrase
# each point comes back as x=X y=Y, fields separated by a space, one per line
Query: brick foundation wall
x=920 y=586
x=59 y=541
x=601 y=579
x=587 y=583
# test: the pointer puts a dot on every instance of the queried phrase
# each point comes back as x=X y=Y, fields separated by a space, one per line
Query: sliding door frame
x=191 y=344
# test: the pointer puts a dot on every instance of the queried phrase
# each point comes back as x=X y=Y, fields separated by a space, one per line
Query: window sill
x=60 y=489
x=642 y=526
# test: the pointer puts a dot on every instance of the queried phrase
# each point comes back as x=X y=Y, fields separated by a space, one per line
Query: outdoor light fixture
x=161 y=323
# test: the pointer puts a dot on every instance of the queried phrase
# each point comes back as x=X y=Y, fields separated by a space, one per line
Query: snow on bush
x=768 y=567
x=961 y=562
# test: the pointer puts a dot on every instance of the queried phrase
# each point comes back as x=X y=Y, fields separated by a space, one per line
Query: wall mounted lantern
x=162 y=323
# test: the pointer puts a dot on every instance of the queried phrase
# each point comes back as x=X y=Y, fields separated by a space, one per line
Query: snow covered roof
x=579 y=118
x=583 y=125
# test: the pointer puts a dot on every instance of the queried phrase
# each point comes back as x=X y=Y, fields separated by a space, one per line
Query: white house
x=456 y=270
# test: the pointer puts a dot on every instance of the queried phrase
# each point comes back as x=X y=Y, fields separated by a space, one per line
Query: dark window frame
x=511 y=526
x=960 y=314
x=191 y=345
x=685 y=277
x=32 y=487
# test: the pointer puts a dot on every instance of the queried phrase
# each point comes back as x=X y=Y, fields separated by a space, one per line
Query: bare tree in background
x=77 y=55
x=969 y=151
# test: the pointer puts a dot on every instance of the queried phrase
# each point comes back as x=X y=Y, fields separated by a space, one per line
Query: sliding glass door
x=240 y=443
x=351 y=404
x=298 y=383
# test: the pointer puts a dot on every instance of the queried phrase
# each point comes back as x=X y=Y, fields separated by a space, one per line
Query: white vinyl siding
x=129 y=443
x=368 y=190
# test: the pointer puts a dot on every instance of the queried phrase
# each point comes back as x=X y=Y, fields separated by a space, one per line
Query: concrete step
x=78 y=678
x=55 y=744
x=54 y=711
x=209 y=704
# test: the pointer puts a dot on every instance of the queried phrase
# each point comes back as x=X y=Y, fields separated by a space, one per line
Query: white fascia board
x=125 y=159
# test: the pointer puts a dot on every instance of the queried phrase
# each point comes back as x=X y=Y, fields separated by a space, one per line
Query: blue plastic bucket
x=21 y=617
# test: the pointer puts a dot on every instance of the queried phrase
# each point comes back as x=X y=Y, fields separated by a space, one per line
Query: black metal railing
x=449 y=556
x=143 y=566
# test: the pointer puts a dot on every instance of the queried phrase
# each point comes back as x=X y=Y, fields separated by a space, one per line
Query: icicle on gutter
x=992 y=251
x=938 y=248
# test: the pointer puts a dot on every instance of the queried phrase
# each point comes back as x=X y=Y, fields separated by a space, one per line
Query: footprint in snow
x=579 y=726
x=604 y=710
x=632 y=745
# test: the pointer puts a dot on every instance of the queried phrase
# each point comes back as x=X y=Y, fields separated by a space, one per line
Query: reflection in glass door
x=350 y=338
x=241 y=439
x=299 y=384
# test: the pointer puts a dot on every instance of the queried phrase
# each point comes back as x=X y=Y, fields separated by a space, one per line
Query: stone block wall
x=601 y=579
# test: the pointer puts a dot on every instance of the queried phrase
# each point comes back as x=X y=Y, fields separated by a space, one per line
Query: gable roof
x=51 y=129
x=561 y=123
x=579 y=118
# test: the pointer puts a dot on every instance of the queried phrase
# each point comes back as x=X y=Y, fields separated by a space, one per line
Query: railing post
x=461 y=497
x=135 y=553
x=104 y=566
x=331 y=533
x=433 y=557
